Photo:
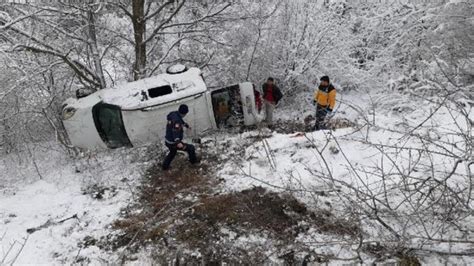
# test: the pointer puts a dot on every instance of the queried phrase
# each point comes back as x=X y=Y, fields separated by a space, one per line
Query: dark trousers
x=174 y=149
x=320 y=118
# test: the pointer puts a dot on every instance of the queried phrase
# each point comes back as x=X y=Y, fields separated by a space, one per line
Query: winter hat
x=183 y=109
x=325 y=78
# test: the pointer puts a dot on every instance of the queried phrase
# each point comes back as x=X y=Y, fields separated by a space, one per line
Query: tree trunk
x=139 y=28
x=93 y=46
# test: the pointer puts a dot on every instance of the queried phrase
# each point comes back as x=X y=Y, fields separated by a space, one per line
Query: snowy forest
x=390 y=181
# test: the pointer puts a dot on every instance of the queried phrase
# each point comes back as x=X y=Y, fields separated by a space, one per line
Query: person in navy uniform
x=174 y=137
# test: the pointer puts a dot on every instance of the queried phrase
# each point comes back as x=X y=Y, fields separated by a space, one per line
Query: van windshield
x=109 y=124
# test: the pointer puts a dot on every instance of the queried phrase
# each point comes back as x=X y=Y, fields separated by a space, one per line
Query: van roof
x=129 y=95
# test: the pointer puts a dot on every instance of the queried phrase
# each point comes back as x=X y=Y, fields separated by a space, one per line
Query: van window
x=159 y=91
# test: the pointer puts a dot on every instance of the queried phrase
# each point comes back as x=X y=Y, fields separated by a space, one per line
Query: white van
x=134 y=114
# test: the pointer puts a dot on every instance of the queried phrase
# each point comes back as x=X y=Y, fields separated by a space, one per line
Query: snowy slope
x=346 y=173
x=354 y=166
x=66 y=189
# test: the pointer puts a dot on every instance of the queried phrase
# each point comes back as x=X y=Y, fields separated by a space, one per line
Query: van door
x=251 y=113
x=109 y=124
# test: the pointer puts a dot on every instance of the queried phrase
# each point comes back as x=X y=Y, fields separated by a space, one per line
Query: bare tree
x=150 y=20
x=64 y=22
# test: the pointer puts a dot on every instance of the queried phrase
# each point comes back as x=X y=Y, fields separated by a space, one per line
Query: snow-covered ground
x=323 y=169
x=295 y=166
x=359 y=166
x=65 y=189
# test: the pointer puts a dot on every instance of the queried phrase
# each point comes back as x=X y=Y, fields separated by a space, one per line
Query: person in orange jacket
x=325 y=101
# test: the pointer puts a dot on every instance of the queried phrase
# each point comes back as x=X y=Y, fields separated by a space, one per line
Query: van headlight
x=68 y=112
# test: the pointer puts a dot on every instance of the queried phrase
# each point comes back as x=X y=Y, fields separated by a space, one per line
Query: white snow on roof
x=129 y=95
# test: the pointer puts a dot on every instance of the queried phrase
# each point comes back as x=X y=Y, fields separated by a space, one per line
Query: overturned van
x=134 y=114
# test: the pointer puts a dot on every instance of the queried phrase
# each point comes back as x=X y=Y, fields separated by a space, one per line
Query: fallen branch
x=50 y=223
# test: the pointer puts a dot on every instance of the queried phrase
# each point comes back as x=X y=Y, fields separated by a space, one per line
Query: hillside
x=259 y=195
x=368 y=160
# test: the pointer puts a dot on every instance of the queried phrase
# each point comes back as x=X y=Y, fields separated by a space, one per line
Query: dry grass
x=254 y=208
x=162 y=199
x=277 y=214
x=405 y=256
x=408 y=260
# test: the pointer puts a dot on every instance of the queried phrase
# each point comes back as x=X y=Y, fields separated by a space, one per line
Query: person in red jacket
x=271 y=96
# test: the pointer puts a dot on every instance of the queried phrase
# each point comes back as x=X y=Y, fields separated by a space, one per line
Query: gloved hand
x=328 y=110
x=315 y=103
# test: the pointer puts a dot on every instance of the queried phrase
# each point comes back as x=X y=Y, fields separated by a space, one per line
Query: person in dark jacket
x=325 y=101
x=174 y=137
x=271 y=96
